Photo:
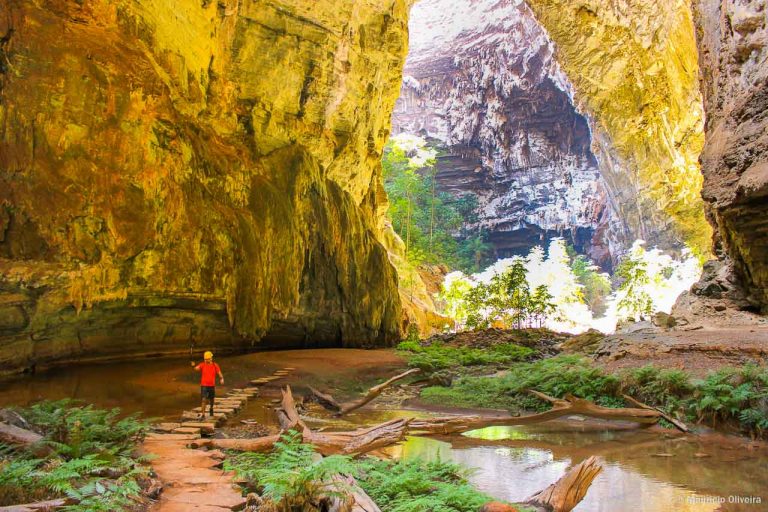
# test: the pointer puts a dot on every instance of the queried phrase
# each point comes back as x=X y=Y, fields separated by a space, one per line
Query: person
x=208 y=371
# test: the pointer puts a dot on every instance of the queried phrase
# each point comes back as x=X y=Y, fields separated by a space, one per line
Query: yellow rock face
x=177 y=172
x=634 y=66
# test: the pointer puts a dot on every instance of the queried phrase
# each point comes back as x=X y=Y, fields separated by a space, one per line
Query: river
x=644 y=470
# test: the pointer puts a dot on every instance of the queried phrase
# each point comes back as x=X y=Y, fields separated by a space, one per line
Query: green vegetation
x=596 y=285
x=430 y=222
x=293 y=477
x=439 y=356
x=728 y=396
x=93 y=459
x=564 y=291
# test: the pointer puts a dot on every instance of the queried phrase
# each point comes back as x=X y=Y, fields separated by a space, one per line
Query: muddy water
x=644 y=471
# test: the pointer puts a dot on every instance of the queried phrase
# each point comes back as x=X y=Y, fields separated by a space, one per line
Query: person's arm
x=196 y=368
x=221 y=375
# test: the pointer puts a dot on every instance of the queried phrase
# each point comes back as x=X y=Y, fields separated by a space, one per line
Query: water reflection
x=514 y=474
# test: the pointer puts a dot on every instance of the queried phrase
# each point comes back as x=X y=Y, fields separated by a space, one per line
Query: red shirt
x=208 y=372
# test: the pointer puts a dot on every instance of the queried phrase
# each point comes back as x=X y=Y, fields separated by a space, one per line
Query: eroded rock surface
x=733 y=49
x=633 y=66
x=481 y=81
x=183 y=171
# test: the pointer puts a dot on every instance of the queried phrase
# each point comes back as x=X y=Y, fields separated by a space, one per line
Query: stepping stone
x=171 y=437
x=187 y=430
x=289 y=368
x=281 y=373
x=165 y=427
x=223 y=410
x=195 y=417
x=207 y=428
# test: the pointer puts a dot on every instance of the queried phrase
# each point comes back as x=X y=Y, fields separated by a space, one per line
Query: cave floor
x=697 y=351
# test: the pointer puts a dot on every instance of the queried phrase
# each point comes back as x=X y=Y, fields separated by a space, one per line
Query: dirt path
x=192 y=479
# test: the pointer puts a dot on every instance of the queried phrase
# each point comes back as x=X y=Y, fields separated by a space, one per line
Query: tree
x=541 y=304
x=634 y=301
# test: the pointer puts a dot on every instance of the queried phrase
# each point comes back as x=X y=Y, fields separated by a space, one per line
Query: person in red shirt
x=208 y=371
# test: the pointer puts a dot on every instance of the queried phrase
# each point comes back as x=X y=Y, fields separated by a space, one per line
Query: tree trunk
x=567 y=407
x=566 y=493
x=330 y=403
x=16 y=436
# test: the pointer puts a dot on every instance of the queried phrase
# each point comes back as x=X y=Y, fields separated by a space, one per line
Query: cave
x=193 y=179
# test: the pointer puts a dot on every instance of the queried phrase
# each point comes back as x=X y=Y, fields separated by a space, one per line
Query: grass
x=736 y=397
x=439 y=356
x=93 y=459
x=293 y=477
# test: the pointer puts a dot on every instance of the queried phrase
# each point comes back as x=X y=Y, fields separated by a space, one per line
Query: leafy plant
x=93 y=458
x=292 y=475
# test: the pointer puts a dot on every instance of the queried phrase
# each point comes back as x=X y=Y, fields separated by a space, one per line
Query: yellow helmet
x=208 y=355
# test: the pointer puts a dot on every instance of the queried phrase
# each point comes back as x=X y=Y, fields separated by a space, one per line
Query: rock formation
x=733 y=53
x=633 y=66
x=481 y=81
x=179 y=174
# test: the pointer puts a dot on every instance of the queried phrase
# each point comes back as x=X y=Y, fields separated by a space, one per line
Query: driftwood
x=566 y=493
x=15 y=436
x=356 y=499
x=40 y=506
x=568 y=406
x=354 y=442
x=674 y=421
x=330 y=403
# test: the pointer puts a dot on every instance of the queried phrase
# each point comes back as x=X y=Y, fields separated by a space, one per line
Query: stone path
x=191 y=479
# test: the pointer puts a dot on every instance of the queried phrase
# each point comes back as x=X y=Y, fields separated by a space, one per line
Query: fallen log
x=568 y=406
x=287 y=414
x=356 y=499
x=39 y=506
x=679 y=425
x=331 y=404
x=354 y=442
x=15 y=436
x=566 y=493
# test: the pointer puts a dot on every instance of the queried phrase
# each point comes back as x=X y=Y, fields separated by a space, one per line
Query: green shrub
x=438 y=356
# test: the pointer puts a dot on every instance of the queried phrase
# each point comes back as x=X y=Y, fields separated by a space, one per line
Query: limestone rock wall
x=733 y=49
x=184 y=173
x=481 y=81
x=633 y=65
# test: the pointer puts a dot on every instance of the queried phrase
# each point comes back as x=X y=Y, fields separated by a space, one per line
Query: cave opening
x=510 y=143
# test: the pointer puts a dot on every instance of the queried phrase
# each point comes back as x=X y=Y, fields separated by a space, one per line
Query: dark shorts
x=208 y=392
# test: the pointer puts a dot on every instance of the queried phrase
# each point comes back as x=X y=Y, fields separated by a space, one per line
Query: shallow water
x=644 y=471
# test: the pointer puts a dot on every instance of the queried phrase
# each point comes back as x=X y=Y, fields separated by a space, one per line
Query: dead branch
x=330 y=403
x=327 y=443
x=287 y=414
x=15 y=436
x=566 y=493
x=674 y=421
x=39 y=506
x=568 y=406
x=356 y=499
